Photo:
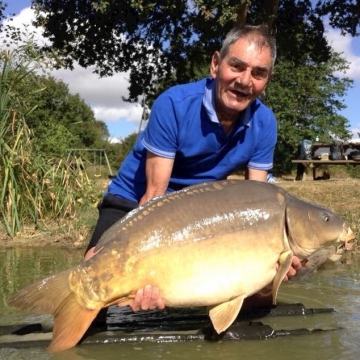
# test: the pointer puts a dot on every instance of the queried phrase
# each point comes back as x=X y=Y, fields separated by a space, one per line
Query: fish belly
x=203 y=273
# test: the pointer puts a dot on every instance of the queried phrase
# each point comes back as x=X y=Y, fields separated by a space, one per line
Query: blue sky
x=105 y=95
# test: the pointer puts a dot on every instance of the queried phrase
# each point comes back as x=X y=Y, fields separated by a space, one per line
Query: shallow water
x=333 y=286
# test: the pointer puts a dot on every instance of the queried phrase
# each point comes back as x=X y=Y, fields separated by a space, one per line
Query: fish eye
x=326 y=218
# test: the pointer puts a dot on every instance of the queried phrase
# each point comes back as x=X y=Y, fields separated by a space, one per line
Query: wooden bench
x=316 y=163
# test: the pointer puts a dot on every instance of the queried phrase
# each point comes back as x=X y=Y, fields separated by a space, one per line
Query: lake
x=334 y=286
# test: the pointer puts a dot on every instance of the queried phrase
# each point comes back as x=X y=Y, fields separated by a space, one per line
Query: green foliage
x=118 y=151
x=59 y=120
x=353 y=171
x=169 y=41
x=33 y=187
x=126 y=145
x=306 y=100
x=2 y=9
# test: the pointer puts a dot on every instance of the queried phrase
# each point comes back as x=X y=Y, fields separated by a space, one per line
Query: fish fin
x=70 y=324
x=315 y=260
x=43 y=296
x=285 y=259
x=53 y=295
x=224 y=314
x=121 y=301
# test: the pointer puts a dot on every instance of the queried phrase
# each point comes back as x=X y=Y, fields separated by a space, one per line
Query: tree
x=171 y=40
x=306 y=100
x=2 y=9
x=59 y=120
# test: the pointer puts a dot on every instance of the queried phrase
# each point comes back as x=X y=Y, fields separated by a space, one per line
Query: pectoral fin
x=223 y=315
x=314 y=261
x=285 y=259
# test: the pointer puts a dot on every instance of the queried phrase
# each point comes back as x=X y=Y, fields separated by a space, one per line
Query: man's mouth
x=240 y=94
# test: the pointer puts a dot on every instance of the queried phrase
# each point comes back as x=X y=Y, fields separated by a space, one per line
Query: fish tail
x=70 y=324
x=53 y=295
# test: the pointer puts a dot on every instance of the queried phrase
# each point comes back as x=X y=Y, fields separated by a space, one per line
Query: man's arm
x=158 y=172
x=254 y=174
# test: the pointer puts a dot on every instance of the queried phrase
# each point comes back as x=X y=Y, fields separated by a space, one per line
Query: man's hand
x=147 y=299
x=296 y=265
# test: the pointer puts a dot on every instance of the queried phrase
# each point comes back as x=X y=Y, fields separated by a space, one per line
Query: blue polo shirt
x=183 y=126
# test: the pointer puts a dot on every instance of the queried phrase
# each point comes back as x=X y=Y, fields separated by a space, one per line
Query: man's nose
x=244 y=77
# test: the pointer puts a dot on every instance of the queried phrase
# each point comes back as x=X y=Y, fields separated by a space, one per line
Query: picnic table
x=318 y=161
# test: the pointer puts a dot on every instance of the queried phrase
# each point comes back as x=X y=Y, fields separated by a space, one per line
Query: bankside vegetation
x=41 y=187
x=36 y=187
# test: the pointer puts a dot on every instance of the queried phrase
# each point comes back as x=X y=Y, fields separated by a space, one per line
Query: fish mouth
x=347 y=237
x=348 y=242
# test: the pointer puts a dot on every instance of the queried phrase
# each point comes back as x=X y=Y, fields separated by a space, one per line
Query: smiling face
x=241 y=76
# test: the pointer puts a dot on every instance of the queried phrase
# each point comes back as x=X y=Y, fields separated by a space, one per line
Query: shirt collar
x=209 y=100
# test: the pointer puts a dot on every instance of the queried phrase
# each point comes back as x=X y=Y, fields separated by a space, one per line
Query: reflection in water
x=335 y=286
x=20 y=267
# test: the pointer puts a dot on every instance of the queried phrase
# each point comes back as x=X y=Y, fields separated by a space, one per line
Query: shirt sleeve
x=263 y=156
x=161 y=133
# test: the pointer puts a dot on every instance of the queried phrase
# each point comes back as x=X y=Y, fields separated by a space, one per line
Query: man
x=202 y=131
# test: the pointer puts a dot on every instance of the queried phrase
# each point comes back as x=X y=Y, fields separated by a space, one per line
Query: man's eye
x=240 y=67
x=259 y=74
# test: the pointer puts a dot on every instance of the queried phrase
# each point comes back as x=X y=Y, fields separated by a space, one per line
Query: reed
x=34 y=189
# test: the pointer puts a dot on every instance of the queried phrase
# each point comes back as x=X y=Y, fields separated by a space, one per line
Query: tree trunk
x=270 y=13
x=242 y=12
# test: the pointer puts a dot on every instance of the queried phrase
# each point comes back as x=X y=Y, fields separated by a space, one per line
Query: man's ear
x=215 y=61
x=271 y=76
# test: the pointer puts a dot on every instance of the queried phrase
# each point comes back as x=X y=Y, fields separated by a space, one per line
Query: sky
x=104 y=95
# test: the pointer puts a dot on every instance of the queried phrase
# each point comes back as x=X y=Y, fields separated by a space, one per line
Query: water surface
x=333 y=286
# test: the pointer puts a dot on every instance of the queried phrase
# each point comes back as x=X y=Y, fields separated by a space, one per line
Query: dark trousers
x=111 y=209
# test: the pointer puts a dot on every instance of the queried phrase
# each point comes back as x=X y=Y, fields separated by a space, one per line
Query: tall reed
x=33 y=187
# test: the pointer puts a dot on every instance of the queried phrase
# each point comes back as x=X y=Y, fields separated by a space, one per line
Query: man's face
x=241 y=75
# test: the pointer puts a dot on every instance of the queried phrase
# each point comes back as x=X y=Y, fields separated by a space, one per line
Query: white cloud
x=23 y=21
x=104 y=95
x=343 y=44
x=114 y=140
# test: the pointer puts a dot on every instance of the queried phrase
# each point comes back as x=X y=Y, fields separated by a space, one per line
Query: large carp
x=212 y=244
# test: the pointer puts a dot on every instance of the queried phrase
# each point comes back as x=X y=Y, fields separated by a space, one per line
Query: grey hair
x=258 y=34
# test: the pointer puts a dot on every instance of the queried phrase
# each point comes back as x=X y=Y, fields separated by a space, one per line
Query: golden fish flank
x=248 y=229
x=248 y=217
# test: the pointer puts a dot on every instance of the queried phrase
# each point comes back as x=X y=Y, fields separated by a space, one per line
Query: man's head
x=242 y=68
